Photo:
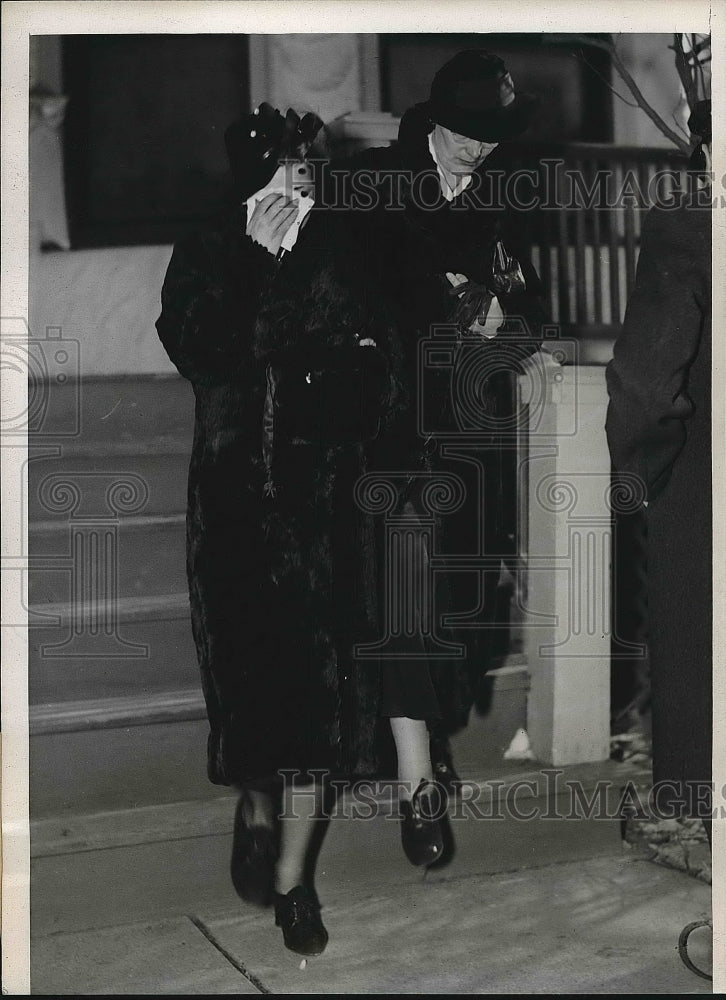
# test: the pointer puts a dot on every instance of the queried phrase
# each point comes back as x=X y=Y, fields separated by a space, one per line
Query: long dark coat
x=659 y=430
x=413 y=238
x=281 y=587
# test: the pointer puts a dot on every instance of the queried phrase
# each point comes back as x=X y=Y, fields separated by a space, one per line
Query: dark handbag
x=328 y=396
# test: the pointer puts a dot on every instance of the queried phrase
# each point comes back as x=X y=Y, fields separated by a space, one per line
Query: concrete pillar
x=331 y=75
x=48 y=221
x=565 y=478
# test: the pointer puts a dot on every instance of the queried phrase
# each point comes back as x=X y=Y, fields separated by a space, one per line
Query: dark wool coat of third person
x=659 y=431
x=412 y=238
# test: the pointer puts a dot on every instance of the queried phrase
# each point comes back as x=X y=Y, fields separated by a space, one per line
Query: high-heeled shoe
x=298 y=914
x=421 y=833
x=254 y=856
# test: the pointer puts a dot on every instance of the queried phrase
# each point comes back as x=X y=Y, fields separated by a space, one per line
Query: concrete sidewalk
x=601 y=925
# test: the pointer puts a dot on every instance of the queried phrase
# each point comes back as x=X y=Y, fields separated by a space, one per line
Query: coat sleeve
x=647 y=378
x=210 y=299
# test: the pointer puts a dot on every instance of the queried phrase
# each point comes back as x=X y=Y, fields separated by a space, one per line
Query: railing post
x=566 y=474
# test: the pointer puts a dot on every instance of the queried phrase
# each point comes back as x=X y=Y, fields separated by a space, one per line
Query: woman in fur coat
x=293 y=362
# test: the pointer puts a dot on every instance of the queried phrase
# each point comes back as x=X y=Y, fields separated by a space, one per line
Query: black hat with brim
x=258 y=142
x=473 y=95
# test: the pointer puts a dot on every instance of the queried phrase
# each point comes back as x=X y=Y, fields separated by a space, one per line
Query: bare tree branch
x=629 y=104
x=623 y=71
x=680 y=127
x=608 y=45
x=684 y=70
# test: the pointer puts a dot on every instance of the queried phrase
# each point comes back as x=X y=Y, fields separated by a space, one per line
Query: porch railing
x=585 y=227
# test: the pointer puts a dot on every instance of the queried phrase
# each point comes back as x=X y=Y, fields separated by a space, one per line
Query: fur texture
x=280 y=587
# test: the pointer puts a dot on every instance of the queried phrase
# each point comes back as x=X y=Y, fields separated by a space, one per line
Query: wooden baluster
x=667 y=185
x=629 y=245
x=650 y=172
x=644 y=204
x=598 y=317
x=613 y=251
x=563 y=270
x=580 y=293
x=544 y=230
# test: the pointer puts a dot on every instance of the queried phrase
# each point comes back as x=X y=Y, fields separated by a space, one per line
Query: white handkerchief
x=305 y=203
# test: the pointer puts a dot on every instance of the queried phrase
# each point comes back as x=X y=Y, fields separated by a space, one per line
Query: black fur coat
x=282 y=583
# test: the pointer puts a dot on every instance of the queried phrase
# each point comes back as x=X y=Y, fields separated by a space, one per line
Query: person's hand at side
x=272 y=217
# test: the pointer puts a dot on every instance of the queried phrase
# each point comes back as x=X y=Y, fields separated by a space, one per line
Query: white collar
x=448 y=192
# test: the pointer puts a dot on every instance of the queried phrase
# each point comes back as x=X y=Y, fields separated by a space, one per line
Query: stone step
x=138 y=641
x=150 y=652
x=146 y=554
x=515 y=817
x=147 y=745
x=107 y=482
x=115 y=768
x=130 y=414
x=114 y=446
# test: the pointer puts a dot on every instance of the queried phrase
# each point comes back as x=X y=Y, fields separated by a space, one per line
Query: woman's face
x=458 y=154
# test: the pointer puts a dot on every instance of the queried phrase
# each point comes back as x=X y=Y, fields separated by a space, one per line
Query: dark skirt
x=407 y=688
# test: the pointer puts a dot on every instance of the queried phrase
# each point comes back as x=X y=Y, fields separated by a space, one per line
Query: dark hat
x=473 y=95
x=257 y=143
x=699 y=122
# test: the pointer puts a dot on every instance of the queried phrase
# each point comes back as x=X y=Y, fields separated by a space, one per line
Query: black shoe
x=421 y=833
x=254 y=856
x=298 y=914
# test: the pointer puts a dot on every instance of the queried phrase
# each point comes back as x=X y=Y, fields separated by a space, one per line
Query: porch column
x=566 y=524
x=328 y=74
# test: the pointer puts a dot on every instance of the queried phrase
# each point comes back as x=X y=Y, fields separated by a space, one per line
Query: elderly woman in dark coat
x=294 y=365
x=467 y=303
